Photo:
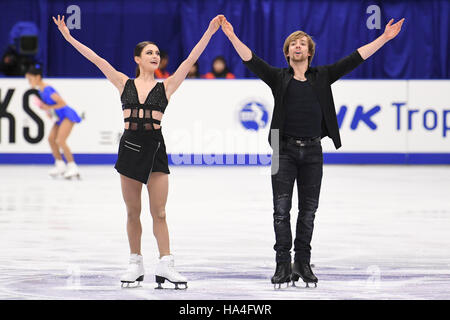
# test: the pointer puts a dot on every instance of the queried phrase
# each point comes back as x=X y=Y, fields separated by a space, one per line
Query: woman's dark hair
x=138 y=50
x=35 y=69
x=225 y=70
x=197 y=71
x=163 y=54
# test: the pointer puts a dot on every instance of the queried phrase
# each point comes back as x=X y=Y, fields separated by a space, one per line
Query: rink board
x=226 y=122
x=329 y=158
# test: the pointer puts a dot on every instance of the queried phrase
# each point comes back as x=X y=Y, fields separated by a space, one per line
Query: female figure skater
x=67 y=117
x=142 y=154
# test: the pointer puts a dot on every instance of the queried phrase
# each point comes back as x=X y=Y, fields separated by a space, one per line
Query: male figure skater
x=303 y=114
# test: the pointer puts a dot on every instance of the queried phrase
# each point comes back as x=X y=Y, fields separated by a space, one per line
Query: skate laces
x=134 y=260
x=171 y=264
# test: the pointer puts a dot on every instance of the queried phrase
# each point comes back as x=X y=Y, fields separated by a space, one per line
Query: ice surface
x=381 y=232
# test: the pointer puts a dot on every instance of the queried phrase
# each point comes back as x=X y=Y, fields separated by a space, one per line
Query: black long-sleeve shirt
x=303 y=111
x=320 y=78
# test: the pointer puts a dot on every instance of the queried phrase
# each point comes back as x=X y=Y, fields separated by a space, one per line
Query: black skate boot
x=303 y=271
x=282 y=274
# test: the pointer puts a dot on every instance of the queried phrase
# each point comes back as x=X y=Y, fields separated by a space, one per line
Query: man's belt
x=302 y=141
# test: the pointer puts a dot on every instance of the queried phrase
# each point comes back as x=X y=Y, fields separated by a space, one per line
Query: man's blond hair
x=298 y=35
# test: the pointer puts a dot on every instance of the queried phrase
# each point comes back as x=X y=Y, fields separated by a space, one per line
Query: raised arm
x=390 y=32
x=266 y=72
x=243 y=51
x=55 y=97
x=350 y=62
x=117 y=78
x=174 y=81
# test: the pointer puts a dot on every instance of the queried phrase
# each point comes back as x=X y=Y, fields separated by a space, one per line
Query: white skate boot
x=165 y=271
x=59 y=169
x=135 y=271
x=72 y=171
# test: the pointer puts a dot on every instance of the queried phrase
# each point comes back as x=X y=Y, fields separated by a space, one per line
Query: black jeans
x=304 y=164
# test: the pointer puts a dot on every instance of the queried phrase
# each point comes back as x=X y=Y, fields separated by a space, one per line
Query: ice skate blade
x=131 y=284
x=297 y=277
x=74 y=176
x=56 y=176
x=160 y=280
x=277 y=286
x=306 y=285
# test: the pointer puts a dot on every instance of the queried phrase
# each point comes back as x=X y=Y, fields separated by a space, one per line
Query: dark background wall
x=113 y=28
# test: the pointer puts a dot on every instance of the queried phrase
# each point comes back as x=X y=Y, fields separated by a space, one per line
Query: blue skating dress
x=62 y=113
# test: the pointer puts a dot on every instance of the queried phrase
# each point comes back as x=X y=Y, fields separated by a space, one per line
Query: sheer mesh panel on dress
x=139 y=116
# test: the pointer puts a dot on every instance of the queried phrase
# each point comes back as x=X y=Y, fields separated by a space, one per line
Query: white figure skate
x=72 y=171
x=135 y=271
x=59 y=169
x=165 y=271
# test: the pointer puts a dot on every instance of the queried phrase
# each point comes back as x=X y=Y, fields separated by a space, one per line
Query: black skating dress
x=141 y=148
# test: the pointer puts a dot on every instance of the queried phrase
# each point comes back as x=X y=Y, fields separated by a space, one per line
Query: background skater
x=50 y=100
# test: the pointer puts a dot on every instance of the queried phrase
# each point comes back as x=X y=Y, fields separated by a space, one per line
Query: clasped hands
x=221 y=21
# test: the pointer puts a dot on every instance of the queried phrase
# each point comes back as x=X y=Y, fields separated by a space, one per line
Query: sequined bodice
x=156 y=100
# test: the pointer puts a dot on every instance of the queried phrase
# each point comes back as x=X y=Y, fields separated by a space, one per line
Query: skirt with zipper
x=141 y=153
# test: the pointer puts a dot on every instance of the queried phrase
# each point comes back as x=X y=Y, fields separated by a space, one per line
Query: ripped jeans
x=304 y=164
